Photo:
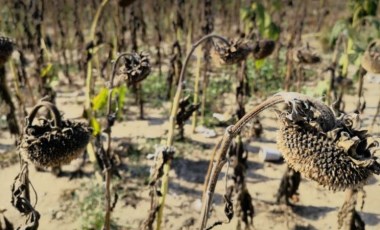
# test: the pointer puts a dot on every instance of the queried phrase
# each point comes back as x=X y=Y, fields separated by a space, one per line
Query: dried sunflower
x=305 y=55
x=186 y=109
x=6 y=49
x=55 y=141
x=136 y=68
x=235 y=52
x=330 y=150
x=263 y=48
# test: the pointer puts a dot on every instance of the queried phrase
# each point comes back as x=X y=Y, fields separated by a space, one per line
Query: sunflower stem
x=108 y=131
x=196 y=91
x=89 y=79
x=221 y=151
x=174 y=110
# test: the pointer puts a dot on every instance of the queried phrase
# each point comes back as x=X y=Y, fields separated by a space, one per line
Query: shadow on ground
x=311 y=212
x=370 y=218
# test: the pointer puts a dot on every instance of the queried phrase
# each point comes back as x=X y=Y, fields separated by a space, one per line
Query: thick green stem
x=174 y=110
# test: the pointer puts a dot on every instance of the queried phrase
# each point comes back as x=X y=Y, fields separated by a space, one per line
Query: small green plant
x=91 y=208
x=261 y=73
x=155 y=87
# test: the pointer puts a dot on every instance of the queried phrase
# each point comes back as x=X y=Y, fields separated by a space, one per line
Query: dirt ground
x=61 y=200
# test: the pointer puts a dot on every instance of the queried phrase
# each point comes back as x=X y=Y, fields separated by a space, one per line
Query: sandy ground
x=60 y=199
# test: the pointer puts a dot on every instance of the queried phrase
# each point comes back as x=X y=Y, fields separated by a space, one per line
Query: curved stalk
x=107 y=170
x=53 y=110
x=231 y=132
x=174 y=110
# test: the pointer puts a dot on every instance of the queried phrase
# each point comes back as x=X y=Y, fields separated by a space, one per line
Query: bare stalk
x=157 y=28
x=361 y=105
x=376 y=114
x=295 y=36
x=196 y=91
x=6 y=96
x=348 y=217
x=208 y=28
x=19 y=95
x=205 y=84
x=300 y=75
x=332 y=69
x=89 y=63
x=63 y=34
x=174 y=110
x=289 y=66
x=322 y=12
x=110 y=120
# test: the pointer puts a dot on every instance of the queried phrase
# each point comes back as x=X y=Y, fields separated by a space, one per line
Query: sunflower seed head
x=136 y=68
x=304 y=108
x=6 y=49
x=46 y=146
x=337 y=156
x=235 y=52
x=53 y=142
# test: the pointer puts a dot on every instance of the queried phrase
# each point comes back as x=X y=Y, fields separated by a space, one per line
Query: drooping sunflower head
x=330 y=150
x=235 y=52
x=53 y=142
x=136 y=68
